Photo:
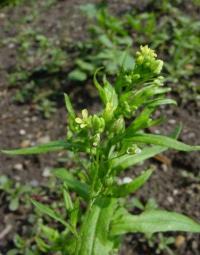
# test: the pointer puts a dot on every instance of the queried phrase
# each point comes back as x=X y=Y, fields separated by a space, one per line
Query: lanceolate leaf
x=153 y=221
x=162 y=141
x=43 y=148
x=158 y=102
x=94 y=236
x=133 y=186
x=69 y=106
x=81 y=188
x=51 y=213
x=141 y=121
x=107 y=92
x=126 y=160
x=99 y=87
x=67 y=200
x=110 y=93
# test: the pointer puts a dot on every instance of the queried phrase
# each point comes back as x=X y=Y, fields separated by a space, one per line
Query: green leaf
x=69 y=106
x=42 y=246
x=48 y=211
x=14 y=204
x=74 y=214
x=88 y=232
x=85 y=65
x=43 y=148
x=94 y=235
x=77 y=75
x=110 y=93
x=67 y=200
x=142 y=121
x=105 y=41
x=153 y=221
x=51 y=234
x=9 y=2
x=127 y=62
x=127 y=160
x=98 y=86
x=158 y=102
x=125 y=189
x=162 y=141
x=107 y=92
x=81 y=188
x=89 y=9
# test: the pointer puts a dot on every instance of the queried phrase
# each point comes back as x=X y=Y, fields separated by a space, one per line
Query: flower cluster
x=146 y=58
x=93 y=124
x=147 y=66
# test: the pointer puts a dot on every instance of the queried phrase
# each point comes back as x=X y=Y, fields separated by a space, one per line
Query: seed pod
x=134 y=149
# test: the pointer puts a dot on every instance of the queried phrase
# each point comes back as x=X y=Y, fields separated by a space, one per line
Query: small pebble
x=22 y=132
x=34 y=119
x=30 y=136
x=17 y=178
x=180 y=240
x=25 y=143
x=18 y=167
x=157 y=131
x=2 y=15
x=172 y=121
x=170 y=200
x=27 y=119
x=194 y=245
x=191 y=135
x=43 y=139
x=11 y=45
x=34 y=183
x=25 y=112
x=175 y=192
x=164 y=167
x=46 y=172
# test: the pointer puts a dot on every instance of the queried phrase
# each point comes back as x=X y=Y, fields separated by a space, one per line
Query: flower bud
x=108 y=112
x=98 y=124
x=119 y=125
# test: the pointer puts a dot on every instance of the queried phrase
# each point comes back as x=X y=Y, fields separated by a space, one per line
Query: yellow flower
x=84 y=121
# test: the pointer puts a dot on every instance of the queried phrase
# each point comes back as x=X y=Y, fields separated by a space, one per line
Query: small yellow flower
x=85 y=114
x=84 y=121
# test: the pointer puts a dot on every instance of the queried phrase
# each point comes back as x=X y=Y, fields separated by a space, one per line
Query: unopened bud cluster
x=146 y=58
